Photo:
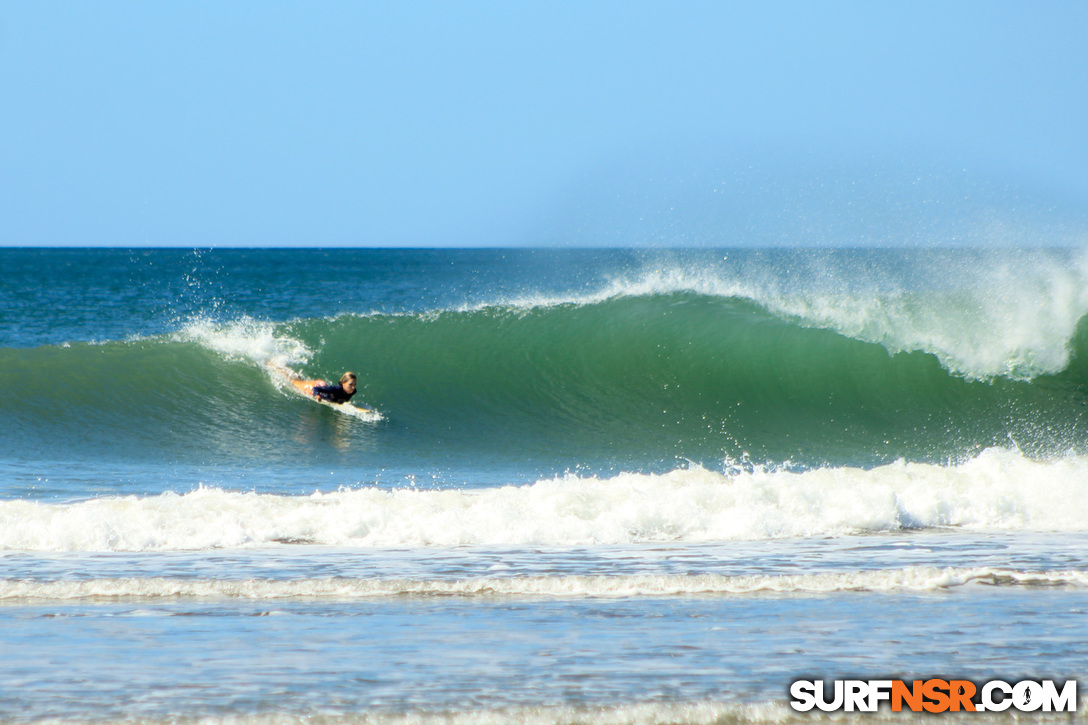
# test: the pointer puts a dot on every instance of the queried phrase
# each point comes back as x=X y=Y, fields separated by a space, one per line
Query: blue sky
x=507 y=123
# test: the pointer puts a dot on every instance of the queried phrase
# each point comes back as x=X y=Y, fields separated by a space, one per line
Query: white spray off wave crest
x=1008 y=320
x=999 y=489
x=1013 y=315
x=246 y=339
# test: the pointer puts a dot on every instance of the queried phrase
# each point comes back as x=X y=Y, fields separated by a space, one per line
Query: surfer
x=341 y=393
x=319 y=389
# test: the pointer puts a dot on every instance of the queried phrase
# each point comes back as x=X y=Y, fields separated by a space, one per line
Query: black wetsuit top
x=332 y=393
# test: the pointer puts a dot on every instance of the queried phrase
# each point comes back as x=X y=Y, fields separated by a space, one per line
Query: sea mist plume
x=700 y=196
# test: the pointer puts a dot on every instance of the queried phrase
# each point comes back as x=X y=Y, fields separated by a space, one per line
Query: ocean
x=601 y=486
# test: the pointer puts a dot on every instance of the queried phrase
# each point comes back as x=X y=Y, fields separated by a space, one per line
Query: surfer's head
x=347 y=382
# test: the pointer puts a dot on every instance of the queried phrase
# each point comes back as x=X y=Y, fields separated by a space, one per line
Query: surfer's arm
x=322 y=392
x=332 y=393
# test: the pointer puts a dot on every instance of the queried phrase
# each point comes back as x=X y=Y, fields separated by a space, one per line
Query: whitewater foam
x=674 y=713
x=677 y=713
x=999 y=489
x=910 y=579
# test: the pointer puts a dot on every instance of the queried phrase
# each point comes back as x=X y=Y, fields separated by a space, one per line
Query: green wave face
x=637 y=381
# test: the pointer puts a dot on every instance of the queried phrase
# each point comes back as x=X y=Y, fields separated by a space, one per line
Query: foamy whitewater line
x=999 y=489
x=910 y=579
x=675 y=713
x=648 y=713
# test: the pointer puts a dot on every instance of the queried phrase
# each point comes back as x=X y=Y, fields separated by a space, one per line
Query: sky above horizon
x=533 y=123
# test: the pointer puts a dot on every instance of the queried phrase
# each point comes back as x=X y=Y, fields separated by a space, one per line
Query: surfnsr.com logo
x=934 y=695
